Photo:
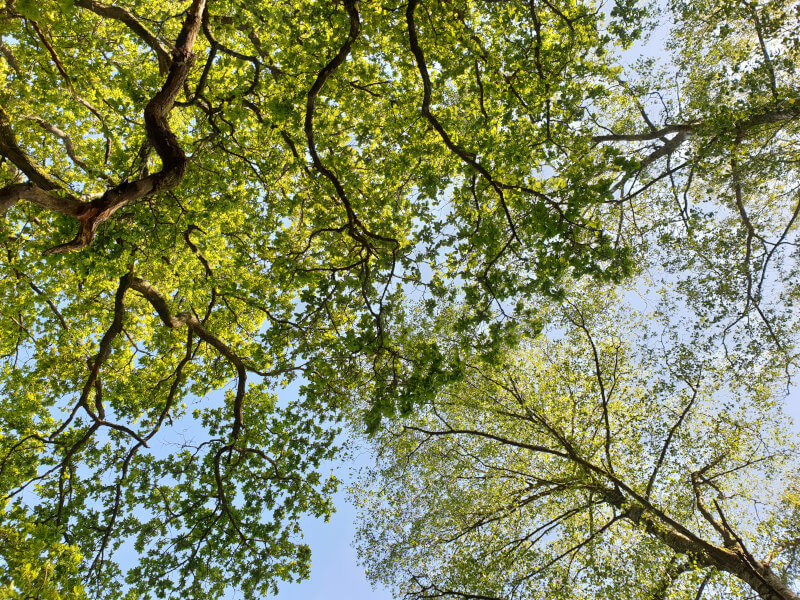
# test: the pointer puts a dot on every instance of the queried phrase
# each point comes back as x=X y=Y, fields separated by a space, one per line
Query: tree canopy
x=205 y=202
x=596 y=461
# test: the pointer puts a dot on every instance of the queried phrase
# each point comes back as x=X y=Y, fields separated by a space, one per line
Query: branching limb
x=355 y=227
x=788 y=544
x=54 y=55
x=10 y=150
x=668 y=441
x=90 y=215
x=217 y=45
x=66 y=140
x=10 y=58
x=656 y=134
x=430 y=591
x=604 y=395
x=753 y=8
x=465 y=155
x=11 y=194
x=157 y=301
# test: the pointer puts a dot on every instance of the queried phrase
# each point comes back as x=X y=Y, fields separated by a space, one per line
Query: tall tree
x=203 y=202
x=710 y=134
x=602 y=462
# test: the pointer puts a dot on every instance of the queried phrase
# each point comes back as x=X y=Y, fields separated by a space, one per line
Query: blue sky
x=334 y=570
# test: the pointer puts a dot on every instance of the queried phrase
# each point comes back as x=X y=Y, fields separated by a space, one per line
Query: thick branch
x=667 y=149
x=160 y=136
x=11 y=194
x=644 y=137
x=10 y=58
x=756 y=574
x=784 y=112
x=91 y=215
x=157 y=301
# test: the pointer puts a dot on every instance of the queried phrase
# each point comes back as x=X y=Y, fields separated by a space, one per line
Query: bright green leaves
x=35 y=561
x=513 y=102
x=226 y=515
x=526 y=162
x=581 y=464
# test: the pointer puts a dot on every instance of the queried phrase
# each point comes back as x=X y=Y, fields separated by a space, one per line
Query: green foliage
x=596 y=461
x=204 y=203
x=37 y=562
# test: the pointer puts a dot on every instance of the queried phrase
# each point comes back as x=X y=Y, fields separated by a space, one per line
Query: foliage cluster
x=204 y=202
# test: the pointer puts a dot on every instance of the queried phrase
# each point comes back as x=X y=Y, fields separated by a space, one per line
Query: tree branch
x=160 y=136
x=125 y=16
x=66 y=140
x=466 y=156
x=10 y=150
x=157 y=301
x=11 y=194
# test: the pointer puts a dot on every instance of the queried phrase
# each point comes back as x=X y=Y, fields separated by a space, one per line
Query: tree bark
x=736 y=560
x=91 y=214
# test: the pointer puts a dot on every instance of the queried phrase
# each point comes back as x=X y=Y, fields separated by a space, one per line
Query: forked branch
x=44 y=191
